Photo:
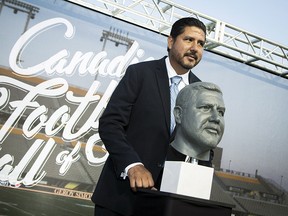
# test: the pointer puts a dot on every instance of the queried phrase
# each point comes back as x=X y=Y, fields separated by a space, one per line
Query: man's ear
x=177 y=114
x=170 y=42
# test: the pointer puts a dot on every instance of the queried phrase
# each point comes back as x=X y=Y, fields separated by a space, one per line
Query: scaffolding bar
x=222 y=38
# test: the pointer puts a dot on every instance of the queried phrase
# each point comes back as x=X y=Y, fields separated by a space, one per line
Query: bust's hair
x=189 y=91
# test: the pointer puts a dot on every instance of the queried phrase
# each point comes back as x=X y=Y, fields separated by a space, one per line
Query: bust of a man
x=199 y=115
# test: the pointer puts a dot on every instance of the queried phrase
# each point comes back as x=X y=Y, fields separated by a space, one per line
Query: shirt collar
x=171 y=72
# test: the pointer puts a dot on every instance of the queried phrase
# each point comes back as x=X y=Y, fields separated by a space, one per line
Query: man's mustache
x=193 y=55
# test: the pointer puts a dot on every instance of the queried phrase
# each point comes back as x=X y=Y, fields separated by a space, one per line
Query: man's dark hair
x=179 y=26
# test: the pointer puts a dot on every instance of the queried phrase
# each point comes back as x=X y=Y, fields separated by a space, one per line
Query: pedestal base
x=187 y=179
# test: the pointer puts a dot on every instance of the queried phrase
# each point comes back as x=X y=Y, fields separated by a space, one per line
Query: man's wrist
x=124 y=174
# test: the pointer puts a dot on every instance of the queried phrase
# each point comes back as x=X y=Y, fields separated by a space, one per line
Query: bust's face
x=202 y=122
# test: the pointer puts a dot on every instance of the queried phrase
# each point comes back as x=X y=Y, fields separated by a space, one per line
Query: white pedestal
x=187 y=179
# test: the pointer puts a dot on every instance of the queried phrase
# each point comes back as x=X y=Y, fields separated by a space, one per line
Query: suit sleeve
x=115 y=120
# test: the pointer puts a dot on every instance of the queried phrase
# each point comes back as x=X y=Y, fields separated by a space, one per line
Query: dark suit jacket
x=134 y=128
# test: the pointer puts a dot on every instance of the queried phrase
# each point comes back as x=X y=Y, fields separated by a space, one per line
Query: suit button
x=160 y=165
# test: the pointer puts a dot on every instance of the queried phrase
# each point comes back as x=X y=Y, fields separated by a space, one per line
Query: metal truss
x=222 y=38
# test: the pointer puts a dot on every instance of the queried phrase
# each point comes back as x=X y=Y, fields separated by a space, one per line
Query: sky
x=266 y=19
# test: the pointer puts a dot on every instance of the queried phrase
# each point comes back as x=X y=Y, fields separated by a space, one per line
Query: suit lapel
x=193 y=78
x=163 y=86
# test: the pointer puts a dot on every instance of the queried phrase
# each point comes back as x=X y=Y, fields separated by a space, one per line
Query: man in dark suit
x=135 y=126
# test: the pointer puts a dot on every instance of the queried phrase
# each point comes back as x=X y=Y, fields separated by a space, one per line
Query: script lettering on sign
x=64 y=120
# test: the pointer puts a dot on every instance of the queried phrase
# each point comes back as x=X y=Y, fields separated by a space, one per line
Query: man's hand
x=140 y=177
